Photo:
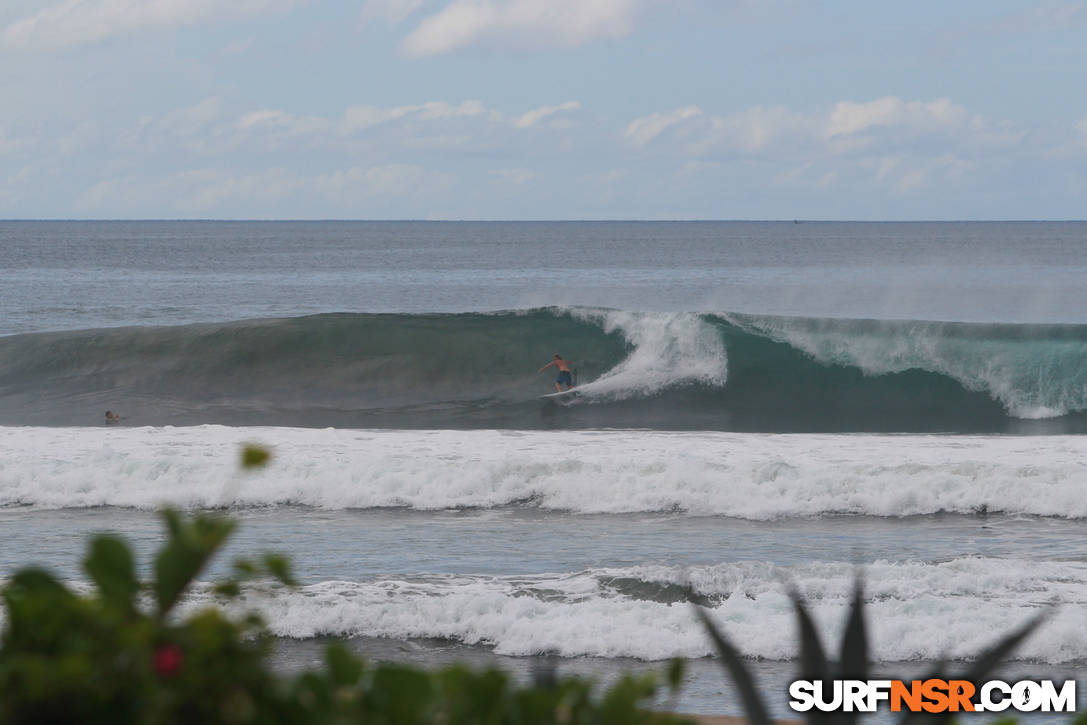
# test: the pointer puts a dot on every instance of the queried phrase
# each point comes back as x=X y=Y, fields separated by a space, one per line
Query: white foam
x=754 y=476
x=669 y=350
x=915 y=610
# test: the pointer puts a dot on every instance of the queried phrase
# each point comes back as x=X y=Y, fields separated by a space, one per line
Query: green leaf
x=988 y=660
x=979 y=671
x=344 y=668
x=36 y=582
x=853 y=661
x=27 y=590
x=813 y=659
x=676 y=669
x=110 y=565
x=37 y=604
x=190 y=546
x=279 y=566
x=255 y=456
x=733 y=663
x=854 y=656
x=402 y=694
x=620 y=702
x=228 y=588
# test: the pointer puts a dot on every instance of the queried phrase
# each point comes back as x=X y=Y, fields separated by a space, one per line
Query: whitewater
x=919 y=612
x=519 y=517
x=926 y=604
x=749 y=476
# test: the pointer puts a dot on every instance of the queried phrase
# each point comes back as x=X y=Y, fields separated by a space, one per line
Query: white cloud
x=15 y=187
x=697 y=167
x=79 y=22
x=537 y=114
x=360 y=118
x=641 y=131
x=513 y=176
x=848 y=128
x=238 y=47
x=906 y=145
x=394 y=11
x=274 y=192
x=79 y=138
x=606 y=178
x=204 y=191
x=191 y=120
x=281 y=123
x=430 y=125
x=900 y=175
x=344 y=188
x=755 y=129
x=210 y=128
x=9 y=145
x=357 y=119
x=1042 y=17
x=1074 y=144
x=748 y=131
x=946 y=166
x=521 y=23
x=849 y=118
x=887 y=164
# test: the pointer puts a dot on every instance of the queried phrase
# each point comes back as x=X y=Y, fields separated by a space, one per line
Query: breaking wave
x=670 y=371
x=743 y=475
x=916 y=610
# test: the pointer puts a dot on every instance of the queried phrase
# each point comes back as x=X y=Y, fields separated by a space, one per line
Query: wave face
x=673 y=371
x=747 y=476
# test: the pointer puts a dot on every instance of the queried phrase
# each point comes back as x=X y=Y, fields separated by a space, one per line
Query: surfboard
x=573 y=393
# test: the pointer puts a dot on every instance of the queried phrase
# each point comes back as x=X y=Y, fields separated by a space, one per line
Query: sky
x=543 y=109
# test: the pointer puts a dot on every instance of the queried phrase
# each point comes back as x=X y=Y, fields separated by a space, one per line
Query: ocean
x=761 y=405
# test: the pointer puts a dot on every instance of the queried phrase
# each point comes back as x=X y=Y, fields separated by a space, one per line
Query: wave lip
x=916 y=610
x=750 y=476
x=666 y=350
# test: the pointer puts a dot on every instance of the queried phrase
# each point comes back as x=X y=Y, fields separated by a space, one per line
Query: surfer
x=564 y=373
x=112 y=418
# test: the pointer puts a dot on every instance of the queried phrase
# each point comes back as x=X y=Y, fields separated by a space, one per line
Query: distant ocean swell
x=652 y=370
x=742 y=475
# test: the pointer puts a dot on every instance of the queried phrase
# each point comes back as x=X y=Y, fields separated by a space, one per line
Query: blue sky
x=543 y=109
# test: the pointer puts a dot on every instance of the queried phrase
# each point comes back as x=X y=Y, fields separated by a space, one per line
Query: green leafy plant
x=852 y=663
x=114 y=656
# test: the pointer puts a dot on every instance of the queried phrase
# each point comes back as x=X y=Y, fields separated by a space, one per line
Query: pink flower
x=167 y=660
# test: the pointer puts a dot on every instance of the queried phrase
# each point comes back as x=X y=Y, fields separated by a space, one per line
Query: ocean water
x=762 y=405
